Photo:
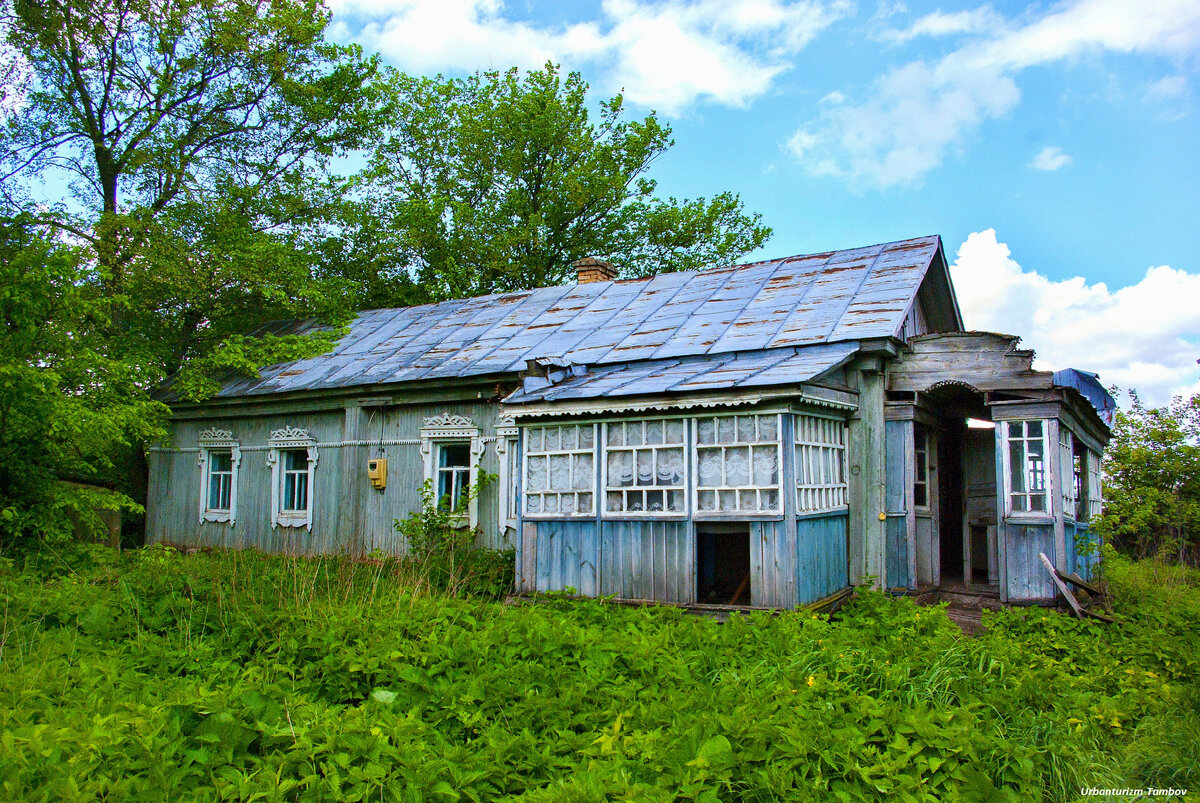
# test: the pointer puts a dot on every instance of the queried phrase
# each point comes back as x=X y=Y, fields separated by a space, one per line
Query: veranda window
x=560 y=470
x=1095 y=499
x=1026 y=458
x=820 y=464
x=737 y=464
x=1066 y=471
x=644 y=467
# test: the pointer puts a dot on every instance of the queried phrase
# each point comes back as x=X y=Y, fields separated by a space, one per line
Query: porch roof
x=784 y=366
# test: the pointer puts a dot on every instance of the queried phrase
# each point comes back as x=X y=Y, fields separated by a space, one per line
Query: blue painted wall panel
x=821 y=557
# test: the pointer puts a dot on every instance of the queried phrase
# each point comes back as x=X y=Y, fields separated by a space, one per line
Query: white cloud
x=1050 y=158
x=940 y=23
x=1170 y=86
x=1144 y=336
x=918 y=112
x=668 y=55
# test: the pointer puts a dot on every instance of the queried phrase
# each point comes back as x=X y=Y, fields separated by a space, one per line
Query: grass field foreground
x=150 y=675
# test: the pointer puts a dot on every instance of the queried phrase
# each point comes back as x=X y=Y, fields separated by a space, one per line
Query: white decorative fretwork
x=508 y=455
x=284 y=440
x=219 y=458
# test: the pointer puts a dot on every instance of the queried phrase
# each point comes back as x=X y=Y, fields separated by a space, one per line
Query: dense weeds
x=150 y=675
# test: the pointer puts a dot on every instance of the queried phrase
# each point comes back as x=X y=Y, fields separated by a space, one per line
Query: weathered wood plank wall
x=1028 y=580
x=339 y=482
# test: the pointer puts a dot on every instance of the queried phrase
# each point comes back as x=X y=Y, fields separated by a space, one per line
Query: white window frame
x=1006 y=462
x=1066 y=471
x=508 y=456
x=922 y=439
x=596 y=453
x=447 y=428
x=821 y=446
x=218 y=440
x=737 y=512
x=1095 y=484
x=283 y=440
x=682 y=488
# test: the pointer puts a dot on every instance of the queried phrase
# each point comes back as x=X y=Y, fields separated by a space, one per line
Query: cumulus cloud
x=1144 y=336
x=1050 y=158
x=919 y=112
x=668 y=55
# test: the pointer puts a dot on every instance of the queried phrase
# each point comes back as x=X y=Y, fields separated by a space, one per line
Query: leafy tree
x=195 y=139
x=1152 y=480
x=170 y=115
x=499 y=181
x=67 y=410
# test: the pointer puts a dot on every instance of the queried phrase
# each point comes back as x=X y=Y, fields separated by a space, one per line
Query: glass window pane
x=586 y=436
x=295 y=459
x=1016 y=465
x=220 y=461
x=454 y=454
x=1033 y=429
x=583 y=472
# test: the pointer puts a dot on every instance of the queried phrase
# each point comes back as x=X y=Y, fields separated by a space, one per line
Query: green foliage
x=1152 y=480
x=442 y=555
x=66 y=407
x=233 y=675
x=499 y=181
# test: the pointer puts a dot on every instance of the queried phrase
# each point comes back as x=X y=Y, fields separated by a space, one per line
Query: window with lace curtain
x=820 y=464
x=737 y=464
x=560 y=470
x=644 y=469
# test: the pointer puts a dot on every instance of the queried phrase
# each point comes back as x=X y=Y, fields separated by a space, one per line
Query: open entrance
x=965 y=507
x=723 y=564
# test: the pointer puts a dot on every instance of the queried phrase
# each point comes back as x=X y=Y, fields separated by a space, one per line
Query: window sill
x=739 y=515
x=217 y=516
x=292 y=519
x=1037 y=518
x=816 y=514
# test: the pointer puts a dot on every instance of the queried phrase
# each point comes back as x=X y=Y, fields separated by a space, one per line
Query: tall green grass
x=230 y=675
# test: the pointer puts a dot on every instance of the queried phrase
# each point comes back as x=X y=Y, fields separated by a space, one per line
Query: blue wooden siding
x=895 y=494
x=821 y=558
x=648 y=560
x=1028 y=579
x=568 y=556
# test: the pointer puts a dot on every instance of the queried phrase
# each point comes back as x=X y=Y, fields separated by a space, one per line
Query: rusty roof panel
x=799 y=301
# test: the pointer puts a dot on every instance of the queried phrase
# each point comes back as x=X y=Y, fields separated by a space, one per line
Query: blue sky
x=1054 y=146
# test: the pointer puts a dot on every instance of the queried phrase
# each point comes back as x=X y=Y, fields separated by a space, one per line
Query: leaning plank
x=1079 y=582
x=829 y=604
x=1062 y=587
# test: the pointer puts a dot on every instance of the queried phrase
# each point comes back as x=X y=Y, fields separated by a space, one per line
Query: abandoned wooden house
x=764 y=434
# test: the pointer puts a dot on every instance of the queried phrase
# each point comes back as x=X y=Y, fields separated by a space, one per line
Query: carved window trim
x=218 y=440
x=508 y=455
x=448 y=428
x=282 y=440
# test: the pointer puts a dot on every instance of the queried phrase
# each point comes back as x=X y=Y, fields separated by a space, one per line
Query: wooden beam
x=1062 y=587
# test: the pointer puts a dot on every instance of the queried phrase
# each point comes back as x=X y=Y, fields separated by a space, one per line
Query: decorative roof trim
x=616 y=405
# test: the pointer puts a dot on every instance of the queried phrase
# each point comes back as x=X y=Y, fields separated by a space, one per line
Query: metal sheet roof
x=782 y=366
x=801 y=300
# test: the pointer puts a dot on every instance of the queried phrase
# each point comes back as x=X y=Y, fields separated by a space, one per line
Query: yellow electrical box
x=377 y=472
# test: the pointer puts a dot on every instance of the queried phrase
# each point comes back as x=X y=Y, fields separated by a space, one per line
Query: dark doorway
x=950 y=507
x=723 y=564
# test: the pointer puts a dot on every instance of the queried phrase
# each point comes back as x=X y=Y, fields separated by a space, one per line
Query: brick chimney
x=590 y=269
